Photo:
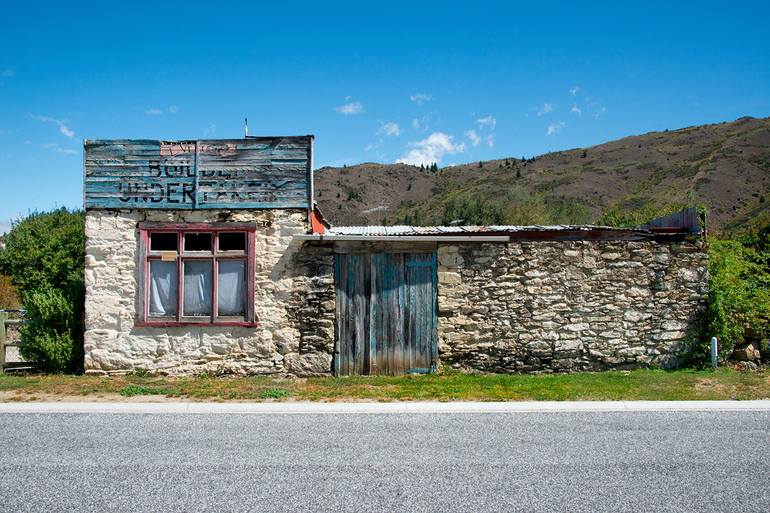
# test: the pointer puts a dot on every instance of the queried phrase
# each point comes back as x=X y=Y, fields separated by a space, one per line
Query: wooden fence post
x=3 y=317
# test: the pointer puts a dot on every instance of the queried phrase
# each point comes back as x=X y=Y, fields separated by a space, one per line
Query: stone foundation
x=294 y=302
x=563 y=306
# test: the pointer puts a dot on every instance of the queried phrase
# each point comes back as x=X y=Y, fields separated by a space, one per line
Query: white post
x=714 y=352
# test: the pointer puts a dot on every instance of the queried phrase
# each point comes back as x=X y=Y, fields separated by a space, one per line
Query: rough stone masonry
x=294 y=302
x=540 y=306
x=566 y=305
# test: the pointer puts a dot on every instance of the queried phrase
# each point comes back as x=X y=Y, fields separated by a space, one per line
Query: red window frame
x=146 y=255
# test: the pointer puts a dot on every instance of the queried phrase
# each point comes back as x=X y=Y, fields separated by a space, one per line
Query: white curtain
x=163 y=288
x=231 y=289
x=197 y=288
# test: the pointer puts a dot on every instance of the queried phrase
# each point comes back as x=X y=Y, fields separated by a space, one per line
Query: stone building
x=209 y=256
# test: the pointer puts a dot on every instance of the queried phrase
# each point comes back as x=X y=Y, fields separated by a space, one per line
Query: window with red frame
x=198 y=274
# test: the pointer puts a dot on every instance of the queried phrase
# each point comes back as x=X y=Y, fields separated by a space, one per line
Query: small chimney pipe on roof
x=245 y=128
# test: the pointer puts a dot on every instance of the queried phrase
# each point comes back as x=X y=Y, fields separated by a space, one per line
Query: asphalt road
x=629 y=461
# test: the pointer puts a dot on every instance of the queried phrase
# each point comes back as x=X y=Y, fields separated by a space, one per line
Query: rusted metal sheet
x=685 y=221
x=386 y=313
x=259 y=172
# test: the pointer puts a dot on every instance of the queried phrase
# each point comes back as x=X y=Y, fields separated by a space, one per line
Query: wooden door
x=386 y=313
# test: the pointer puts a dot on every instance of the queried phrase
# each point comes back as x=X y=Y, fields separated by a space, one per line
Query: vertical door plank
x=361 y=312
x=399 y=342
x=376 y=313
x=343 y=314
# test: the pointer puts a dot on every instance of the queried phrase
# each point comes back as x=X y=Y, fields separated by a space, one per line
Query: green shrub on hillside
x=515 y=208
x=471 y=210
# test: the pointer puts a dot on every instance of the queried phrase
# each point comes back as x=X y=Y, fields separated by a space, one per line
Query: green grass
x=643 y=384
x=274 y=393
x=132 y=390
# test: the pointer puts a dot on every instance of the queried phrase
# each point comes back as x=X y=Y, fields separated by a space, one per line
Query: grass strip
x=643 y=384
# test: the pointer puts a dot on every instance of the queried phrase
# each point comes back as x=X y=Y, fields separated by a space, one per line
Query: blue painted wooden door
x=386 y=313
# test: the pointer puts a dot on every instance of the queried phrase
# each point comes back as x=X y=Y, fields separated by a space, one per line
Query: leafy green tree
x=45 y=250
x=44 y=256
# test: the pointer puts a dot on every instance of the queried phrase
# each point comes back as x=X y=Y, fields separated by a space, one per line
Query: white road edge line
x=379 y=407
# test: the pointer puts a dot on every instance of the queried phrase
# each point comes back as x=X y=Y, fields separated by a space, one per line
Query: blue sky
x=390 y=81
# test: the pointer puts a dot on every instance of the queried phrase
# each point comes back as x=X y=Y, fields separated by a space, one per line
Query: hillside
x=725 y=167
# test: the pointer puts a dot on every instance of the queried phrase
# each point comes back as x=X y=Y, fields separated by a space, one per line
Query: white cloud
x=576 y=109
x=555 y=128
x=152 y=111
x=5 y=226
x=431 y=149
x=373 y=146
x=474 y=137
x=485 y=132
x=58 y=149
x=595 y=108
x=420 y=98
x=489 y=121
x=173 y=109
x=66 y=131
x=350 y=109
x=61 y=123
x=389 y=129
x=574 y=90
x=422 y=123
x=547 y=107
x=212 y=128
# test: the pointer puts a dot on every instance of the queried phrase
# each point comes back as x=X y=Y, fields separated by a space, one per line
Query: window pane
x=232 y=241
x=197 y=288
x=231 y=289
x=163 y=241
x=163 y=288
x=197 y=242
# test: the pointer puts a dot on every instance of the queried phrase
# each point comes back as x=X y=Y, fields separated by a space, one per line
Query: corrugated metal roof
x=686 y=222
x=403 y=230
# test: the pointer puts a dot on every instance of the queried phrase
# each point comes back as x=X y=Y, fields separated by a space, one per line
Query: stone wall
x=561 y=306
x=519 y=307
x=294 y=302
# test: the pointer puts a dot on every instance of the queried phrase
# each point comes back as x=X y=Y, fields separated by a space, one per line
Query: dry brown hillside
x=725 y=167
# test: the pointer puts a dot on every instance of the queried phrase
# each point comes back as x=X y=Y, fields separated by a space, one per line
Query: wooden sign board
x=258 y=172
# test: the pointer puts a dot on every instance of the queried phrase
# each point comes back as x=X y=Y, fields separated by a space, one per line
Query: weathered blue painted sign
x=257 y=172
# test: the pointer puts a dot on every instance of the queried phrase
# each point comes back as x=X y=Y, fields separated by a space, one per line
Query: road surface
x=639 y=461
